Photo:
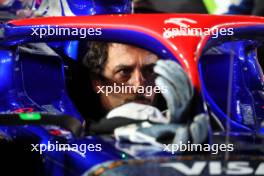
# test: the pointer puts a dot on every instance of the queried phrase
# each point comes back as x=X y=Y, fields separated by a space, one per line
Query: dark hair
x=95 y=57
x=92 y=57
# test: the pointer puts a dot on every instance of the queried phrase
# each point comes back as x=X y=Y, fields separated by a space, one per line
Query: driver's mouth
x=141 y=100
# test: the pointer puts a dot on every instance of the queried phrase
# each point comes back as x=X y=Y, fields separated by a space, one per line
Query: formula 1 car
x=220 y=54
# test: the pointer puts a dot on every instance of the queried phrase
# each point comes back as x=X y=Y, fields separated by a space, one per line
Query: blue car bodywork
x=33 y=82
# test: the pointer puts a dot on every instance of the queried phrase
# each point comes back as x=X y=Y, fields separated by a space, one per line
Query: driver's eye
x=148 y=72
x=124 y=73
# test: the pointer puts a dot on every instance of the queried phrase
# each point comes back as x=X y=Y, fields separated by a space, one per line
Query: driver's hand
x=178 y=95
x=179 y=90
x=138 y=112
x=158 y=134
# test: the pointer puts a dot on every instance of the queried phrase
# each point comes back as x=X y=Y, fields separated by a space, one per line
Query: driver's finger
x=181 y=135
x=174 y=103
x=172 y=66
x=176 y=80
x=199 y=129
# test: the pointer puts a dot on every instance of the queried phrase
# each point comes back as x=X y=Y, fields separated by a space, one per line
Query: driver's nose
x=137 y=79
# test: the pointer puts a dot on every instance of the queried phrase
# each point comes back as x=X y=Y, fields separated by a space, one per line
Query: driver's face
x=128 y=66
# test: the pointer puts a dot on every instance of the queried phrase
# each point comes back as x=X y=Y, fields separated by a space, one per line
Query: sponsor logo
x=217 y=168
